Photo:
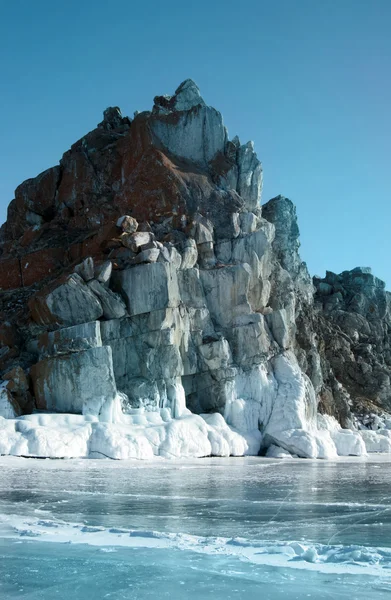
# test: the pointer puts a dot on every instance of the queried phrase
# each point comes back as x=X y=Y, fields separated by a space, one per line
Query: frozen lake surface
x=209 y=528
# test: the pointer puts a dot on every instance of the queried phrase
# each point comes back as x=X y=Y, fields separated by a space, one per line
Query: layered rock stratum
x=151 y=306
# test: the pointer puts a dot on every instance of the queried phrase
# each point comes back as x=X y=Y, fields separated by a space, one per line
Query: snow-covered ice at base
x=274 y=412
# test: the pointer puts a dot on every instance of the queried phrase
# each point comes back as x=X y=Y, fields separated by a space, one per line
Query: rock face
x=149 y=298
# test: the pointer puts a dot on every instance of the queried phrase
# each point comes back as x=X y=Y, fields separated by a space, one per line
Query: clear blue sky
x=307 y=80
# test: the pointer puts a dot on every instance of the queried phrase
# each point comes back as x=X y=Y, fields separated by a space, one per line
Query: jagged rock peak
x=186 y=96
x=113 y=119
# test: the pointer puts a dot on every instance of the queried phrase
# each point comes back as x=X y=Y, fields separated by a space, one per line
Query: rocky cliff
x=151 y=306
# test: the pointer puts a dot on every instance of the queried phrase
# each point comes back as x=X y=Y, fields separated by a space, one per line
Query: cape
x=151 y=306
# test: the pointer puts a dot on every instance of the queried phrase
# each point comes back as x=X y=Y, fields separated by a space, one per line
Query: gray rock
x=197 y=133
x=215 y=355
x=226 y=292
x=127 y=224
x=86 y=269
x=190 y=288
x=249 y=343
x=102 y=272
x=112 y=304
x=202 y=229
x=250 y=176
x=223 y=251
x=206 y=255
x=149 y=255
x=76 y=383
x=278 y=323
x=209 y=391
x=249 y=222
x=135 y=240
x=189 y=254
x=71 y=302
x=70 y=339
x=147 y=288
x=9 y=408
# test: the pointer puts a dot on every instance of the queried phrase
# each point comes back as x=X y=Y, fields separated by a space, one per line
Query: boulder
x=80 y=383
x=86 y=269
x=127 y=224
x=102 y=272
x=112 y=304
x=70 y=339
x=68 y=301
x=134 y=241
x=149 y=255
x=147 y=288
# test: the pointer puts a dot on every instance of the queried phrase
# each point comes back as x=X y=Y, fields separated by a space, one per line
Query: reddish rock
x=8 y=335
x=10 y=275
x=39 y=194
x=31 y=235
x=17 y=380
x=41 y=264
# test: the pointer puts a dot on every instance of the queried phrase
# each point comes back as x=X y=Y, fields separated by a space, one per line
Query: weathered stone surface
x=9 y=335
x=70 y=339
x=249 y=176
x=102 y=272
x=149 y=255
x=76 y=383
x=112 y=304
x=17 y=382
x=67 y=302
x=277 y=321
x=202 y=229
x=214 y=355
x=9 y=408
x=35 y=200
x=250 y=343
x=147 y=288
x=127 y=224
x=134 y=241
x=209 y=391
x=10 y=274
x=191 y=289
x=206 y=255
x=189 y=254
x=113 y=119
x=86 y=269
x=226 y=292
x=186 y=127
x=249 y=222
x=41 y=264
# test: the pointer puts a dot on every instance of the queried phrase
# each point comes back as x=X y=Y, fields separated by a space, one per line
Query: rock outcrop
x=151 y=306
